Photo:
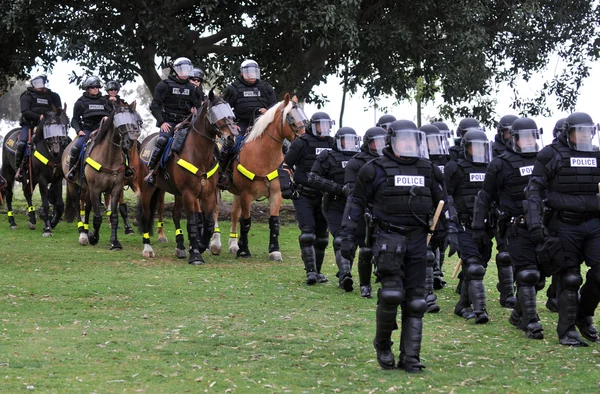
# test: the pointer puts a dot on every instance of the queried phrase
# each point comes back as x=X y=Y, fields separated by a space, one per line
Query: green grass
x=84 y=319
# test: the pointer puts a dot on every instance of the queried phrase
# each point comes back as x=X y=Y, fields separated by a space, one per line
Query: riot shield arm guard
x=318 y=182
x=480 y=211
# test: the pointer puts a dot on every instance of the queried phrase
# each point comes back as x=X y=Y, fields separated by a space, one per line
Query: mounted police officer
x=385 y=120
x=327 y=175
x=502 y=134
x=197 y=79
x=300 y=158
x=505 y=181
x=88 y=111
x=174 y=100
x=112 y=93
x=566 y=177
x=372 y=148
x=35 y=101
x=404 y=188
x=464 y=178
x=464 y=125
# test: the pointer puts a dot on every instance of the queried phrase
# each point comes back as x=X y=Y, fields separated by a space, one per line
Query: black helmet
x=579 y=130
x=346 y=139
x=324 y=122
x=198 y=73
x=437 y=144
x=39 y=81
x=465 y=125
x=113 y=85
x=374 y=140
x=401 y=131
x=524 y=136
x=91 y=82
x=444 y=129
x=481 y=151
x=558 y=127
x=505 y=123
x=385 y=120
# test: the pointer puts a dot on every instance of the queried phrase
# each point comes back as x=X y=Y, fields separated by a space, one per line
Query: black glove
x=452 y=240
x=479 y=236
x=347 y=247
x=538 y=235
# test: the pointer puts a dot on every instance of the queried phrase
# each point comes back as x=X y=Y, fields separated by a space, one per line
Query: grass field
x=84 y=319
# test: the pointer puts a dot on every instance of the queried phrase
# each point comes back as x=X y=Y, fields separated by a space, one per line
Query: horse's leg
x=189 y=203
x=115 y=196
x=245 y=224
x=107 y=204
x=84 y=218
x=161 y=227
x=208 y=208
x=125 y=214
x=274 y=206
x=45 y=211
x=148 y=200
x=180 y=251
x=93 y=200
x=59 y=203
x=200 y=224
x=215 y=242
x=31 y=221
x=8 y=194
x=235 y=216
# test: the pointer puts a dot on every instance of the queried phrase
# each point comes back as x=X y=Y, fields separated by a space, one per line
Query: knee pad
x=21 y=145
x=365 y=254
x=74 y=150
x=539 y=286
x=503 y=259
x=430 y=256
x=306 y=239
x=572 y=280
x=416 y=307
x=391 y=296
x=475 y=270
x=528 y=277
x=337 y=243
x=162 y=141
x=322 y=242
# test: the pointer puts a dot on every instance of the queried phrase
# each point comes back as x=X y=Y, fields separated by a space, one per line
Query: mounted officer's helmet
x=91 y=82
x=250 y=69
x=504 y=125
x=113 y=85
x=183 y=67
x=525 y=136
x=579 y=130
x=444 y=129
x=198 y=73
x=321 y=124
x=477 y=148
x=39 y=81
x=558 y=127
x=374 y=140
x=347 y=140
x=385 y=120
x=437 y=143
x=406 y=140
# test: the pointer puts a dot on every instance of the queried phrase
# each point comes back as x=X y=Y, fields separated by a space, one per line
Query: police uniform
x=245 y=98
x=88 y=111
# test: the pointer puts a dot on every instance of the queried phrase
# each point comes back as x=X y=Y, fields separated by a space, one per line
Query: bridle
x=291 y=123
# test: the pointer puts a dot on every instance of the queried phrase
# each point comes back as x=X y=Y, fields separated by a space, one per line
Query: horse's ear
x=286 y=100
x=133 y=105
x=295 y=99
x=65 y=107
x=211 y=94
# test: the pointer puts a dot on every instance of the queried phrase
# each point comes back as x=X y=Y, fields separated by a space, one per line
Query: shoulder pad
x=546 y=154
x=323 y=156
x=367 y=172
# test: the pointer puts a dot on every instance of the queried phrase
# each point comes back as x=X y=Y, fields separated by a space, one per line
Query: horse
x=191 y=175
x=48 y=143
x=261 y=153
x=103 y=171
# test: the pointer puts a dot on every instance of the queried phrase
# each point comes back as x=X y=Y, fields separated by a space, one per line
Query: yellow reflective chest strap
x=250 y=175
x=194 y=170
x=93 y=163
x=40 y=157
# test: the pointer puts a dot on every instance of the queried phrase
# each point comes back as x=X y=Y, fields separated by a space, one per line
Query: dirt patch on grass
x=259 y=211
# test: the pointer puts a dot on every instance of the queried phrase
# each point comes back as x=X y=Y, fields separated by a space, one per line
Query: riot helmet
x=321 y=124
x=385 y=120
x=39 y=81
x=558 y=127
x=183 y=67
x=250 y=69
x=579 y=131
x=463 y=126
x=476 y=147
x=444 y=129
x=347 y=140
x=374 y=140
x=91 y=82
x=524 y=136
x=504 y=126
x=406 y=140
x=197 y=75
x=113 y=85
x=437 y=143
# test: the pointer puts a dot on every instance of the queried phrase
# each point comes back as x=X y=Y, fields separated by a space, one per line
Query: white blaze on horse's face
x=128 y=122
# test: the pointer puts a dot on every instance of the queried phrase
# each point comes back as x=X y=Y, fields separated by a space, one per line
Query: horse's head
x=220 y=116
x=297 y=121
x=128 y=123
x=54 y=126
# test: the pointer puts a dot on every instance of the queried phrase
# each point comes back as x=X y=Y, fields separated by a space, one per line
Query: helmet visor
x=504 y=133
x=525 y=141
x=348 y=143
x=376 y=144
x=38 y=83
x=409 y=143
x=55 y=130
x=437 y=144
x=218 y=112
x=251 y=71
x=297 y=117
x=322 y=127
x=478 y=151
x=581 y=138
x=183 y=70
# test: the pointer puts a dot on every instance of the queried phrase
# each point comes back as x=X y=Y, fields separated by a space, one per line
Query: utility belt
x=305 y=191
x=466 y=222
x=394 y=228
x=576 y=218
x=519 y=221
x=173 y=117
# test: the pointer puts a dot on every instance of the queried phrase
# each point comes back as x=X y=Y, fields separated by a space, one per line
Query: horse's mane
x=106 y=125
x=261 y=125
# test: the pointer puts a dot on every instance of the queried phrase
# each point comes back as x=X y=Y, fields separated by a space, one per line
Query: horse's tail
x=147 y=222
x=72 y=203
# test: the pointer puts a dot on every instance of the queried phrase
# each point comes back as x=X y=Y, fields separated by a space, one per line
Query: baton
x=436 y=216
x=456 y=269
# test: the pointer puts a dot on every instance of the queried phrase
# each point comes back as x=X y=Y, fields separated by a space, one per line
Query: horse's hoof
x=93 y=238
x=275 y=256
x=116 y=245
x=47 y=234
x=15 y=227
x=195 y=258
x=129 y=231
x=31 y=225
x=83 y=239
x=243 y=253
x=215 y=249
x=180 y=253
x=148 y=252
x=162 y=239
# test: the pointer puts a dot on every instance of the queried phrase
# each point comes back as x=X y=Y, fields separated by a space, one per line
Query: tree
x=10 y=102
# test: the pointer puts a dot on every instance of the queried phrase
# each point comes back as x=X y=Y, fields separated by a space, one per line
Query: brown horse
x=103 y=172
x=255 y=172
x=191 y=174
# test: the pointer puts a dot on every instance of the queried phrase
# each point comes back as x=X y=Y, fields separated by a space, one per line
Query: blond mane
x=261 y=125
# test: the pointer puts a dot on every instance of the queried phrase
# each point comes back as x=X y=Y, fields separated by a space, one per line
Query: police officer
x=404 y=188
x=197 y=79
x=371 y=148
x=566 y=174
x=327 y=175
x=174 y=99
x=464 y=125
x=558 y=127
x=88 y=111
x=464 y=178
x=505 y=181
x=385 y=120
x=502 y=134
x=112 y=93
x=300 y=158
x=35 y=101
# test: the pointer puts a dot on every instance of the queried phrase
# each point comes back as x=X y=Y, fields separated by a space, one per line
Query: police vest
x=316 y=145
x=250 y=98
x=341 y=158
x=512 y=195
x=473 y=175
x=580 y=173
x=178 y=99
x=455 y=152
x=41 y=102
x=440 y=161
x=392 y=201
x=498 y=148
x=94 y=109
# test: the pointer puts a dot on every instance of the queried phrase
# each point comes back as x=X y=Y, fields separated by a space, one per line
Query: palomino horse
x=48 y=143
x=191 y=174
x=255 y=172
x=103 y=170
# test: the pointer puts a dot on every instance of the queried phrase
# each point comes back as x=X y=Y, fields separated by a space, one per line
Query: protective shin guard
x=430 y=296
x=273 y=234
x=344 y=267
x=463 y=306
x=320 y=246
x=124 y=214
x=477 y=296
x=411 y=338
x=243 y=241
x=365 y=266
x=438 y=275
x=529 y=318
x=385 y=325
x=505 y=280
x=567 y=314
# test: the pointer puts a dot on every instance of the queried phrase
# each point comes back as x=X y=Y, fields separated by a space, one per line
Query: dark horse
x=103 y=170
x=47 y=146
x=191 y=174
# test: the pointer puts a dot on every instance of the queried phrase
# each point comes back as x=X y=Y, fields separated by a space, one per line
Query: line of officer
x=404 y=188
x=327 y=174
x=566 y=176
x=505 y=181
x=464 y=125
x=300 y=158
x=385 y=121
x=371 y=148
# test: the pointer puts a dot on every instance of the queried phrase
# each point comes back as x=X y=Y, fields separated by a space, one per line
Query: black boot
x=73 y=157
x=530 y=320
x=308 y=257
x=567 y=315
x=438 y=275
x=320 y=246
x=344 y=267
x=124 y=215
x=386 y=324
x=365 y=255
x=410 y=342
x=153 y=163
x=463 y=307
x=224 y=158
x=477 y=296
x=505 y=280
x=19 y=159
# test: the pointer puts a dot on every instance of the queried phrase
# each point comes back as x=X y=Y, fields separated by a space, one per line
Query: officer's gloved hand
x=347 y=247
x=346 y=190
x=452 y=241
x=479 y=236
x=538 y=235
x=339 y=190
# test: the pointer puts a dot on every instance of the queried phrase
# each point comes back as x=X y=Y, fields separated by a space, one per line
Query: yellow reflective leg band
x=232 y=235
x=161 y=224
x=79 y=224
x=146 y=235
x=9 y=213
x=86 y=226
x=82 y=213
x=179 y=232
x=108 y=212
x=217 y=230
x=31 y=209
